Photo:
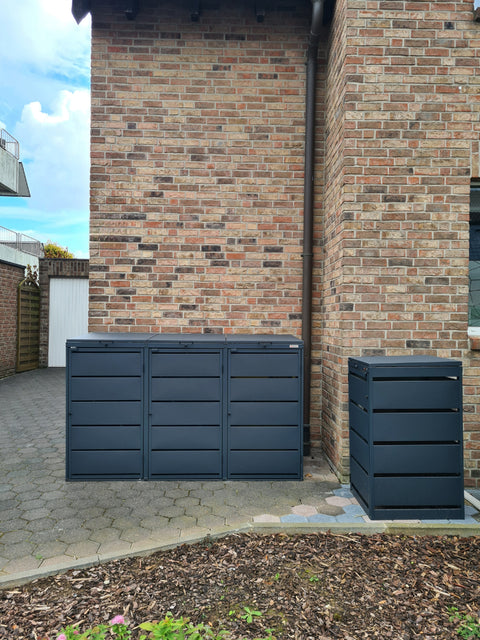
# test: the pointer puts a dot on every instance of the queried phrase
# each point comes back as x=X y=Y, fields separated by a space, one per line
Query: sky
x=45 y=105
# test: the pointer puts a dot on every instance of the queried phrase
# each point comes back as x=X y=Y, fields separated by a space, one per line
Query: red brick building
x=200 y=181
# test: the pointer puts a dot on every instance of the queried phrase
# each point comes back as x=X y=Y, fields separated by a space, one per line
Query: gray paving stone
x=70 y=520
x=100 y=522
x=8 y=504
x=182 y=522
x=111 y=547
x=16 y=550
x=104 y=535
x=50 y=549
x=42 y=524
x=35 y=514
x=178 y=493
x=12 y=525
x=173 y=512
x=21 y=564
x=15 y=536
x=79 y=534
x=82 y=549
x=197 y=511
x=189 y=501
x=40 y=537
x=55 y=561
x=134 y=534
x=156 y=522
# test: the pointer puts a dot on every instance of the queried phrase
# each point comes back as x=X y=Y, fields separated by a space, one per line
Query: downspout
x=313 y=39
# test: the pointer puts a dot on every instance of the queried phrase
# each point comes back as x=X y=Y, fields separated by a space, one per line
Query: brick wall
x=197 y=182
x=398 y=247
x=10 y=277
x=197 y=176
x=56 y=268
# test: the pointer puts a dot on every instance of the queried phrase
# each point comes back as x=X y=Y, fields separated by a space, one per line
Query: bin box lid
x=120 y=339
x=401 y=361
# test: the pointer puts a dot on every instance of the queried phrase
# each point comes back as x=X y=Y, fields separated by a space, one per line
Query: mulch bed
x=307 y=587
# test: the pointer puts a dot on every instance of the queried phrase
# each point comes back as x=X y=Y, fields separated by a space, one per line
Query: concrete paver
x=48 y=524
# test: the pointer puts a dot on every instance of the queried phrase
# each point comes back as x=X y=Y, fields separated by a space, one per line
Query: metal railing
x=21 y=242
x=9 y=143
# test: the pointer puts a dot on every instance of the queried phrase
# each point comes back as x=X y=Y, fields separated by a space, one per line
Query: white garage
x=68 y=315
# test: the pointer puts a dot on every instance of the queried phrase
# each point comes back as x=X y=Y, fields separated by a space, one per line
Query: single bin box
x=406 y=436
x=105 y=406
x=185 y=406
x=264 y=413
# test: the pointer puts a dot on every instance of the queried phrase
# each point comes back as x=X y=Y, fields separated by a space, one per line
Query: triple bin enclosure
x=176 y=406
x=406 y=436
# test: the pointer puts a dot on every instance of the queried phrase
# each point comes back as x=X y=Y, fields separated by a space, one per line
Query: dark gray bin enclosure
x=185 y=410
x=264 y=413
x=105 y=406
x=165 y=406
x=406 y=436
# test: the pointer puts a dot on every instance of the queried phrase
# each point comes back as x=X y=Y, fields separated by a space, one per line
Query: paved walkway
x=48 y=524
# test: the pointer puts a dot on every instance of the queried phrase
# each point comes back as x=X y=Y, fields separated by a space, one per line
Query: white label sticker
x=294 y=346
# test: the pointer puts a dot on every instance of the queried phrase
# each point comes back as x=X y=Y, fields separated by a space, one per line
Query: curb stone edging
x=287 y=528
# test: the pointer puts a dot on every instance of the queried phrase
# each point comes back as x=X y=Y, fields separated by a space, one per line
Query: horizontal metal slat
x=261 y=463
x=107 y=413
x=252 y=389
x=106 y=463
x=188 y=364
x=264 y=438
x=106 y=437
x=263 y=413
x=417 y=427
x=119 y=363
x=264 y=364
x=415 y=394
x=186 y=413
x=417 y=458
x=106 y=388
x=175 y=437
x=175 y=389
x=185 y=463
x=418 y=491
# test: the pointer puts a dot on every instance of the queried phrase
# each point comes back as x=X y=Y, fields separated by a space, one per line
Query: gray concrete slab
x=49 y=525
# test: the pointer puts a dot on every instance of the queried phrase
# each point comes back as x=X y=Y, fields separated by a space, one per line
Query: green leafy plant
x=314 y=579
x=469 y=626
x=169 y=628
x=250 y=614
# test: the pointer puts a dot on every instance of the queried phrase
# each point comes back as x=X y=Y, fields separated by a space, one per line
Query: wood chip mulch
x=307 y=587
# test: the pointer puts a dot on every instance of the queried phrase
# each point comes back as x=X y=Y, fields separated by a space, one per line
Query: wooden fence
x=28 y=327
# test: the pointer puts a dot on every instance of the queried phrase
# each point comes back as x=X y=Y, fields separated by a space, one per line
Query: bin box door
x=185 y=434
x=264 y=413
x=105 y=413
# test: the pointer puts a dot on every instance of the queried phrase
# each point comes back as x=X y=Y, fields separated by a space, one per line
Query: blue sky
x=45 y=105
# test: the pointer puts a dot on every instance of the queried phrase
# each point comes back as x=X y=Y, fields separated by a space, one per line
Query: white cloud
x=55 y=149
x=43 y=35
